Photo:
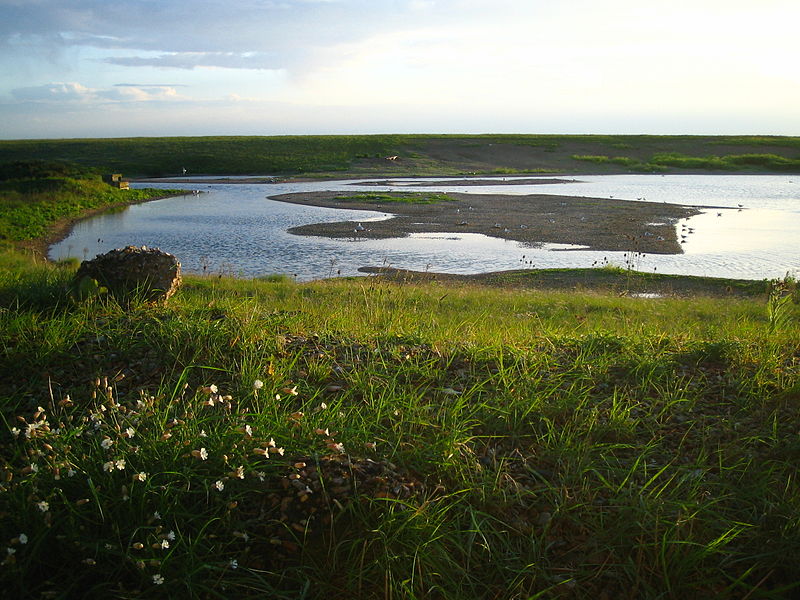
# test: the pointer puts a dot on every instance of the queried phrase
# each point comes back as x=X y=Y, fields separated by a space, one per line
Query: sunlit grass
x=524 y=442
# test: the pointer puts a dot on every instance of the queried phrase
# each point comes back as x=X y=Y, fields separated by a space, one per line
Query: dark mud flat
x=593 y=223
x=470 y=182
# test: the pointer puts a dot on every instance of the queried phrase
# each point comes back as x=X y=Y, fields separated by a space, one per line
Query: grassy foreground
x=366 y=439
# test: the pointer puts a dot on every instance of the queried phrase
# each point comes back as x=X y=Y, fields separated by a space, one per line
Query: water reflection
x=233 y=228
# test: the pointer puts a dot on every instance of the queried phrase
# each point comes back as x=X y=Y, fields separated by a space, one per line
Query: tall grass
x=524 y=444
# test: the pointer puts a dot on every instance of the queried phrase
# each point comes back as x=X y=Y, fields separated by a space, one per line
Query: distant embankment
x=397 y=155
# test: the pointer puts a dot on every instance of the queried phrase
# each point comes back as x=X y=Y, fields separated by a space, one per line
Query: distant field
x=418 y=154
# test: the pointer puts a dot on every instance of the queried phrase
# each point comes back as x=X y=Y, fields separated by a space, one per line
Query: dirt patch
x=593 y=223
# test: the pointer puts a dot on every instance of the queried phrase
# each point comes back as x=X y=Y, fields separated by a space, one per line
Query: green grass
x=561 y=444
x=29 y=207
x=405 y=198
x=730 y=162
x=419 y=154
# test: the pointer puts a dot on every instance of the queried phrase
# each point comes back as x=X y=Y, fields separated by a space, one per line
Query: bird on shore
x=359 y=227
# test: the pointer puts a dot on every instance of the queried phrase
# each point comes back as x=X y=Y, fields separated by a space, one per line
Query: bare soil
x=593 y=223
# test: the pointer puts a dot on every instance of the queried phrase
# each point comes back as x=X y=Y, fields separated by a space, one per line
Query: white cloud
x=72 y=93
x=192 y=60
x=53 y=92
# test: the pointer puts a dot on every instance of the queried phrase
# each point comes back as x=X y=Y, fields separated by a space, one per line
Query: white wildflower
x=108 y=466
x=240 y=471
x=130 y=432
x=242 y=535
x=219 y=485
x=11 y=551
x=34 y=468
x=258 y=384
x=43 y=506
x=71 y=473
x=157 y=516
x=234 y=564
x=23 y=539
x=171 y=535
x=140 y=476
x=15 y=431
x=203 y=433
x=107 y=443
x=164 y=544
x=158 y=579
x=120 y=464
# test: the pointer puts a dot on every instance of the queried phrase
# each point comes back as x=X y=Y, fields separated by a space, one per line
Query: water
x=235 y=229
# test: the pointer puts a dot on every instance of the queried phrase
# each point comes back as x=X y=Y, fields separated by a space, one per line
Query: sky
x=118 y=68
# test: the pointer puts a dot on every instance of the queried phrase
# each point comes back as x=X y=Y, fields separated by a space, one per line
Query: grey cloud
x=276 y=33
x=52 y=92
x=191 y=60
x=151 y=85
x=71 y=93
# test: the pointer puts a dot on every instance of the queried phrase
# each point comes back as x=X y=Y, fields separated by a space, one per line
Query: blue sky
x=109 y=68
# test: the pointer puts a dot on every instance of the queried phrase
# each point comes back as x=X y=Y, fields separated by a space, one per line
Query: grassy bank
x=367 y=439
x=38 y=201
x=418 y=154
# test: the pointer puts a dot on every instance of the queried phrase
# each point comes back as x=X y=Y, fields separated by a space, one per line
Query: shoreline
x=619 y=281
x=61 y=229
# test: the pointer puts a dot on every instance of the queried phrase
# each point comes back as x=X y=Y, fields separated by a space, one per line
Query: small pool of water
x=235 y=229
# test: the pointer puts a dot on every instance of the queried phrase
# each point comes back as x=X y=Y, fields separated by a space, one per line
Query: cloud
x=53 y=92
x=192 y=60
x=139 y=94
x=150 y=85
x=67 y=93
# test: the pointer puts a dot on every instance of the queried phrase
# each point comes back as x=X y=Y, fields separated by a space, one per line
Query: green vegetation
x=731 y=162
x=542 y=443
x=407 y=198
x=35 y=196
x=418 y=154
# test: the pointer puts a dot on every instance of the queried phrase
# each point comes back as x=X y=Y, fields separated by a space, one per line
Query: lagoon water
x=235 y=229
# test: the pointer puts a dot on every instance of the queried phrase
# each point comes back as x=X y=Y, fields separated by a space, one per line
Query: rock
x=133 y=272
